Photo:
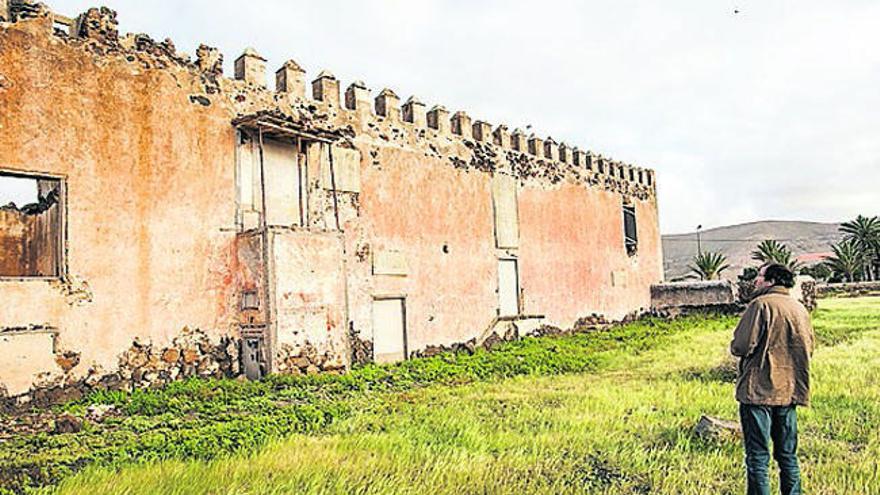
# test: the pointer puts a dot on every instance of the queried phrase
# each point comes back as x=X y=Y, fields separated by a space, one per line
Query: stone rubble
x=68 y=423
x=710 y=428
x=306 y=361
x=97 y=413
x=142 y=366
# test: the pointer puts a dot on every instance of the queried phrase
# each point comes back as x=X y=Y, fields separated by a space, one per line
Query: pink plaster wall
x=571 y=240
x=416 y=205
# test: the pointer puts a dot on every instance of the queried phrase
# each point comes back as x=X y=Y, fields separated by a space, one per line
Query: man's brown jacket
x=774 y=341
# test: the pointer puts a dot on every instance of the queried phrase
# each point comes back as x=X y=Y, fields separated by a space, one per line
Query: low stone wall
x=711 y=295
x=805 y=292
x=852 y=289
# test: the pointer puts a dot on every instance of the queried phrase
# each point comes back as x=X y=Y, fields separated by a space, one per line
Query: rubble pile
x=141 y=366
x=191 y=354
x=306 y=360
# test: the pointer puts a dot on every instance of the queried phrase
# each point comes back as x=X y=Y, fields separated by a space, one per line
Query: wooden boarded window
x=506 y=213
x=344 y=173
x=31 y=235
x=630 y=231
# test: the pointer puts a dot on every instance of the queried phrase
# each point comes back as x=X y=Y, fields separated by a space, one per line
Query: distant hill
x=738 y=241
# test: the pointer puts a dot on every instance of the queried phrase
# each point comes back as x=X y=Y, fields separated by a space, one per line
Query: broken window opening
x=250 y=300
x=630 y=234
x=31 y=234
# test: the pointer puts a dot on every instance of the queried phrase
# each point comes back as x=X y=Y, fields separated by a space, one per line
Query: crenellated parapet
x=250 y=67
x=291 y=79
x=528 y=154
x=438 y=119
x=414 y=112
x=388 y=105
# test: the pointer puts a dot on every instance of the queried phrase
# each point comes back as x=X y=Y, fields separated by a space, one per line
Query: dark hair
x=779 y=274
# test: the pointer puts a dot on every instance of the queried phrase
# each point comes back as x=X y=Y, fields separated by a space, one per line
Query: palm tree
x=848 y=260
x=864 y=232
x=773 y=251
x=709 y=265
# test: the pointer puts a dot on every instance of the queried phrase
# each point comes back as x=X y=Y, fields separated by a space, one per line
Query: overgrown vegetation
x=609 y=412
x=623 y=427
x=203 y=419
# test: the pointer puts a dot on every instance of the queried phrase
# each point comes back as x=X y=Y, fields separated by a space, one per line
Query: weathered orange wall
x=416 y=205
x=572 y=241
x=150 y=191
x=151 y=209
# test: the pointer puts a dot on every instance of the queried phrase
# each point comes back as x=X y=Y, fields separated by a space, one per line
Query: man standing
x=774 y=341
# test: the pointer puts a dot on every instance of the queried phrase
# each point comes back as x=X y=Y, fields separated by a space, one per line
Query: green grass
x=608 y=412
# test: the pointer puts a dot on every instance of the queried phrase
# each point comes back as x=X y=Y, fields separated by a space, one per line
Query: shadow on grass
x=592 y=472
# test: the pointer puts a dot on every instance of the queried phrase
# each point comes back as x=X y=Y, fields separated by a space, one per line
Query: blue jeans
x=761 y=424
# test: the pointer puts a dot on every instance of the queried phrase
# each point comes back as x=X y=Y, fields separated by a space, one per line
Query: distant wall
x=702 y=294
x=852 y=289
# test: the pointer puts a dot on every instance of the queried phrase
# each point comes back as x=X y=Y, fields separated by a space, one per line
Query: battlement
x=385 y=108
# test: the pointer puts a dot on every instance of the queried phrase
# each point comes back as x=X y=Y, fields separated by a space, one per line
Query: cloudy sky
x=771 y=112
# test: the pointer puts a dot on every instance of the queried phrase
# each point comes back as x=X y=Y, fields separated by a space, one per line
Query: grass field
x=599 y=413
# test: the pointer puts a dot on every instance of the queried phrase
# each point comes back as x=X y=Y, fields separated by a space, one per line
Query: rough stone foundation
x=141 y=366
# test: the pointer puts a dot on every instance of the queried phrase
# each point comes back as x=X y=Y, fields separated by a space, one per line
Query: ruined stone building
x=188 y=223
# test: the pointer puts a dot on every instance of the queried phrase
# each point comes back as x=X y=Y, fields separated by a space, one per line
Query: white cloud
x=769 y=113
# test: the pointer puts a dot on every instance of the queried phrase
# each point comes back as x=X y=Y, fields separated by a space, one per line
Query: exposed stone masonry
x=143 y=365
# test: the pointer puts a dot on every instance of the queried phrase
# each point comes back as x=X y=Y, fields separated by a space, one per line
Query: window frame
x=61 y=266
x=630 y=243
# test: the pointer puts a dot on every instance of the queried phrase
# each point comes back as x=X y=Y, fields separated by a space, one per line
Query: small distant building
x=807 y=259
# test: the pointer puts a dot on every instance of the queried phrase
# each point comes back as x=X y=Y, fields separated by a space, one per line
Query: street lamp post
x=699 y=244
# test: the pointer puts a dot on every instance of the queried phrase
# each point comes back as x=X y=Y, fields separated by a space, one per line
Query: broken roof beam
x=274 y=125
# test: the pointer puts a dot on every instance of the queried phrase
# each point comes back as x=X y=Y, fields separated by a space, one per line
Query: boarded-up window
x=284 y=183
x=630 y=232
x=389 y=262
x=286 y=191
x=389 y=330
x=30 y=225
x=508 y=287
x=247 y=183
x=344 y=174
x=506 y=214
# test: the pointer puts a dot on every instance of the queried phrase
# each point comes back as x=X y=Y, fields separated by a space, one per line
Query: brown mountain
x=738 y=241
